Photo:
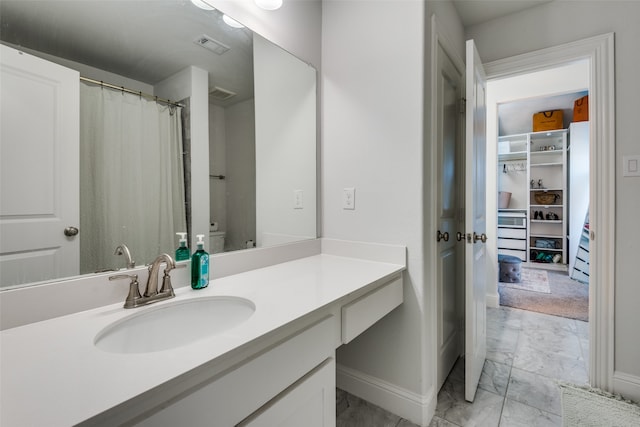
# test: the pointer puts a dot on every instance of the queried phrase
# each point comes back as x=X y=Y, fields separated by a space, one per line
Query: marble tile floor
x=526 y=353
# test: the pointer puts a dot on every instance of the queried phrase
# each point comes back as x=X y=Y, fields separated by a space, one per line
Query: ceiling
x=147 y=41
x=474 y=12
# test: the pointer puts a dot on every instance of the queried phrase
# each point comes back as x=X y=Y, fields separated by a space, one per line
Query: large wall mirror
x=137 y=172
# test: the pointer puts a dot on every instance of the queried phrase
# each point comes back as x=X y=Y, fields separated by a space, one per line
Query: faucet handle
x=134 y=289
x=167 y=288
x=166 y=280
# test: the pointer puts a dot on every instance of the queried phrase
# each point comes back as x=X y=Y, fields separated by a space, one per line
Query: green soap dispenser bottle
x=182 y=253
x=200 y=265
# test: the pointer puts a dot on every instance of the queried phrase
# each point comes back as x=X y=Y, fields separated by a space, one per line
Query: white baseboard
x=627 y=385
x=493 y=300
x=406 y=404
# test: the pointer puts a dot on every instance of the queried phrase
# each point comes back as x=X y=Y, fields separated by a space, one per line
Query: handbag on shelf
x=581 y=109
x=547 y=120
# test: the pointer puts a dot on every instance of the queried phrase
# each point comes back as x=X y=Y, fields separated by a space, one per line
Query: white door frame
x=599 y=51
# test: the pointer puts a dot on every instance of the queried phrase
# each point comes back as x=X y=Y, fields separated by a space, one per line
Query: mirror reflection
x=136 y=170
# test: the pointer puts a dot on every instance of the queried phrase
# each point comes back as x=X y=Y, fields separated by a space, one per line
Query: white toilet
x=216 y=241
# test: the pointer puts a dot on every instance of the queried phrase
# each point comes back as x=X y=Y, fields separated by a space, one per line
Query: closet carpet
x=568 y=298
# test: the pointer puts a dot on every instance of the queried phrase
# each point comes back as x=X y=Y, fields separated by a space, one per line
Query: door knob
x=459 y=236
x=482 y=237
x=443 y=236
x=71 y=231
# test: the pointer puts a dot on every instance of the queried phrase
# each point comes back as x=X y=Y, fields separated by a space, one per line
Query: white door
x=39 y=186
x=450 y=279
x=475 y=222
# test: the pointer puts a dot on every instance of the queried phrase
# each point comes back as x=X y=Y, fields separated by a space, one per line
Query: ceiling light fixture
x=231 y=22
x=268 y=4
x=203 y=4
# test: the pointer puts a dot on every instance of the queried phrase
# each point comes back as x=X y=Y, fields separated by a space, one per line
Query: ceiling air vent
x=210 y=43
x=221 y=94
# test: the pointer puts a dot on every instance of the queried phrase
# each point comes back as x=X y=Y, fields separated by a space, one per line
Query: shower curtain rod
x=131 y=91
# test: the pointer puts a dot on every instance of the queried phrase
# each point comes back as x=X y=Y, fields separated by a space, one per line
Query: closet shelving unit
x=545 y=154
x=512 y=221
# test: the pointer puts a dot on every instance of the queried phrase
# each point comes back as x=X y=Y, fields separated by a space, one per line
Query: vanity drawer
x=513 y=233
x=360 y=314
x=512 y=244
x=227 y=399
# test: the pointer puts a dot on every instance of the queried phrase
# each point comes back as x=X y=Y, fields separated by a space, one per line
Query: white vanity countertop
x=52 y=374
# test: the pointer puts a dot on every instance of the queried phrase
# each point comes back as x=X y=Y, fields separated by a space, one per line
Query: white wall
x=233 y=199
x=241 y=177
x=561 y=22
x=285 y=92
x=217 y=166
x=372 y=141
x=193 y=83
x=374 y=123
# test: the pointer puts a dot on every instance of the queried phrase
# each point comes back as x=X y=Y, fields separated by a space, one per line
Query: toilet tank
x=216 y=241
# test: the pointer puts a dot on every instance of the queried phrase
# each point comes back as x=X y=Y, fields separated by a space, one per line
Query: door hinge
x=462 y=105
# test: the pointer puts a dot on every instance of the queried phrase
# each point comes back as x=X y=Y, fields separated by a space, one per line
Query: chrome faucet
x=124 y=250
x=152 y=283
x=151 y=293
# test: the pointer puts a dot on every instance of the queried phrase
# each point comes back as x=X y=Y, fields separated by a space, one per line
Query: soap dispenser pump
x=182 y=253
x=200 y=265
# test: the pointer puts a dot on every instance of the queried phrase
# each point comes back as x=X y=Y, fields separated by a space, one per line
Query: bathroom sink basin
x=175 y=324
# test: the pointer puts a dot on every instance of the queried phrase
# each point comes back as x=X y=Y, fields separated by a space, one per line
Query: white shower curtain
x=131 y=178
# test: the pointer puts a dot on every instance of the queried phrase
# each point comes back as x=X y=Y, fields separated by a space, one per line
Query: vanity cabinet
x=276 y=368
x=310 y=402
x=292 y=370
x=289 y=382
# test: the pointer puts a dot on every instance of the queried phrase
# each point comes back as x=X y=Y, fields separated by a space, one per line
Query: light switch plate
x=298 y=199
x=349 y=198
x=631 y=165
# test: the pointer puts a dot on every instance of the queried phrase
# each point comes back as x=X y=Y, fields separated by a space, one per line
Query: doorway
x=536 y=334
x=598 y=51
x=531 y=167
x=543 y=192
x=598 y=54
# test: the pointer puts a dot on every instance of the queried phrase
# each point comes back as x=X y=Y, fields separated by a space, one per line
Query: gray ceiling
x=474 y=12
x=149 y=40
x=145 y=40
